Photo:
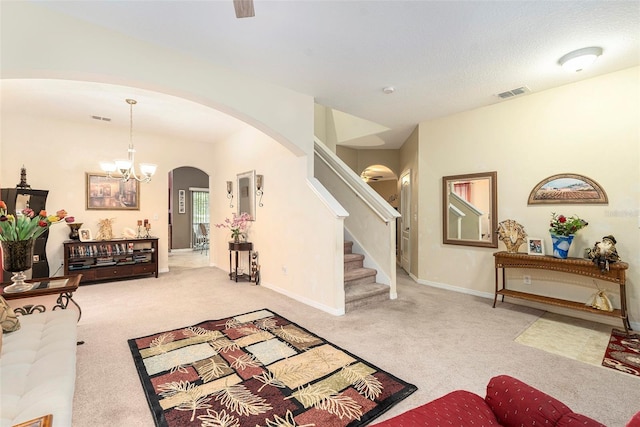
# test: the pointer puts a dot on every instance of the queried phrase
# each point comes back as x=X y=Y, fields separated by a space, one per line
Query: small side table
x=63 y=286
x=233 y=268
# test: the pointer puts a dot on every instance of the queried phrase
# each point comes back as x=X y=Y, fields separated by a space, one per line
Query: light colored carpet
x=576 y=339
x=436 y=339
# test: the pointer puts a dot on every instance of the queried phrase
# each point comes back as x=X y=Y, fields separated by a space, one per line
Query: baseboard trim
x=454 y=288
x=304 y=300
x=567 y=312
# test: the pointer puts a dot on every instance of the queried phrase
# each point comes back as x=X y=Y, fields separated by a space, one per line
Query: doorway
x=188 y=208
x=405 y=221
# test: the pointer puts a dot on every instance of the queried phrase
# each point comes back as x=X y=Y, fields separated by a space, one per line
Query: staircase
x=360 y=285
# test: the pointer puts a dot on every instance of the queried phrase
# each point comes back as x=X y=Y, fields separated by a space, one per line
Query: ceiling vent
x=104 y=119
x=514 y=92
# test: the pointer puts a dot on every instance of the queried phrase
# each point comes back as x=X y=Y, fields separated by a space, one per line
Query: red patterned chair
x=509 y=402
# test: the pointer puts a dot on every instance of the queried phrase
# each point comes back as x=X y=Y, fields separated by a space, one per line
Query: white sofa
x=38 y=368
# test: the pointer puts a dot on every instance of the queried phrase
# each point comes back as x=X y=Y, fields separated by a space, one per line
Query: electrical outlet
x=284 y=269
x=526 y=280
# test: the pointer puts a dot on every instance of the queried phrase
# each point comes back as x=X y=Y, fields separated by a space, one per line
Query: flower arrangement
x=563 y=226
x=27 y=225
x=238 y=225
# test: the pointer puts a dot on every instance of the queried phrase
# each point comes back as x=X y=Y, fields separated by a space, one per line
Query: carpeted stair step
x=359 y=276
x=361 y=295
x=353 y=261
x=348 y=247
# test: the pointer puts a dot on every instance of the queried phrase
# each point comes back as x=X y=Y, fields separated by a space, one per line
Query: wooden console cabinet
x=111 y=259
x=579 y=266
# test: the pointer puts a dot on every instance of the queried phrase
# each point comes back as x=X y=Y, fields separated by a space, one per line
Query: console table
x=578 y=266
x=233 y=268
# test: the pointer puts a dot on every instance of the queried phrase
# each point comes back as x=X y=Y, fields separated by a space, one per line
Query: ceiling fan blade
x=244 y=8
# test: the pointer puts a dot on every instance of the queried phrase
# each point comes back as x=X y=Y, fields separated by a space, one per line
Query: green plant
x=563 y=226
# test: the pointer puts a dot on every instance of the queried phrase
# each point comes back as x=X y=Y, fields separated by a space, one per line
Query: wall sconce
x=259 y=188
x=230 y=193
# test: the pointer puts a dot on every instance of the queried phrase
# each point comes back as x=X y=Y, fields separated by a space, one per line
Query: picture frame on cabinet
x=535 y=246
x=85 y=234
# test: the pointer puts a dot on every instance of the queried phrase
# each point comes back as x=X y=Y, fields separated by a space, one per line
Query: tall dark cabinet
x=36 y=200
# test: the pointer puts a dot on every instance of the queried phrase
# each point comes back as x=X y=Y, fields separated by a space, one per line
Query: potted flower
x=562 y=232
x=17 y=235
x=238 y=225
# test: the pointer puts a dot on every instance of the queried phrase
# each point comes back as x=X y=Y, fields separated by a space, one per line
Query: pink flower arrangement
x=238 y=225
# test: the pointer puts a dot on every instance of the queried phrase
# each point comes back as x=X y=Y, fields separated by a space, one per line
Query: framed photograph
x=567 y=188
x=535 y=246
x=104 y=193
x=181 y=201
x=85 y=235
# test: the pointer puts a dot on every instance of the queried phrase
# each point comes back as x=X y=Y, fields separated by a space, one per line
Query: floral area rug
x=623 y=353
x=259 y=369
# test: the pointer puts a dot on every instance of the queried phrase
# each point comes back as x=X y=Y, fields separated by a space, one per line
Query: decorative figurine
x=105 y=232
x=604 y=252
x=23 y=179
x=512 y=234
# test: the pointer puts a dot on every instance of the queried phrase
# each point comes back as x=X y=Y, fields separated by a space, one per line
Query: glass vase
x=17 y=257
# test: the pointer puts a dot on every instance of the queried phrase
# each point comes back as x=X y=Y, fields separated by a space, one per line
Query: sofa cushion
x=8 y=318
x=516 y=404
x=458 y=408
x=38 y=369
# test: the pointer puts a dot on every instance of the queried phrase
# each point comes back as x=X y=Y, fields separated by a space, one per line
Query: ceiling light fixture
x=580 y=59
x=389 y=89
x=127 y=167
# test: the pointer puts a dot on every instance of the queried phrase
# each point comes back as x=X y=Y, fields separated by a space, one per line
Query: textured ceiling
x=442 y=57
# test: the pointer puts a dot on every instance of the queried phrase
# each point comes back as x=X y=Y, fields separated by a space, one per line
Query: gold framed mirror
x=470 y=209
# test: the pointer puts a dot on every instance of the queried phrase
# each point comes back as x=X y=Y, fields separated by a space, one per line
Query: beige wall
x=388 y=158
x=589 y=128
x=387 y=189
x=349 y=156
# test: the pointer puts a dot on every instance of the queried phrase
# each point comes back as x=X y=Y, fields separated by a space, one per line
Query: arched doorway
x=384 y=181
x=188 y=217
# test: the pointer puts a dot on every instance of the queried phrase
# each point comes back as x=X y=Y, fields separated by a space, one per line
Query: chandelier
x=127 y=167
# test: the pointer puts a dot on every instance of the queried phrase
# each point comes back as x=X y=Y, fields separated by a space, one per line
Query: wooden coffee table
x=63 y=286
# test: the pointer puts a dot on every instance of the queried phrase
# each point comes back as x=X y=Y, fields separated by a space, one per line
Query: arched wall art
x=566 y=188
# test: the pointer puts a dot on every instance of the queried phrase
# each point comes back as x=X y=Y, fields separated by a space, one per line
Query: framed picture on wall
x=568 y=188
x=181 y=201
x=535 y=246
x=104 y=193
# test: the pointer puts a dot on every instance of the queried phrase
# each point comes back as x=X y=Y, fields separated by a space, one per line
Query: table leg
x=236 y=266
x=63 y=301
x=495 y=296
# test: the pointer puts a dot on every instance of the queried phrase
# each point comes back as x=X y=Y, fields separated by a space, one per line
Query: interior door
x=405 y=221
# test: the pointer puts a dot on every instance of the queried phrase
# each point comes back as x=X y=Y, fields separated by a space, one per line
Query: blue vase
x=561 y=245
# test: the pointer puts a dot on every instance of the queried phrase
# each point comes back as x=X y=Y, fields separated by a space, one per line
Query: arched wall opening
x=188 y=208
